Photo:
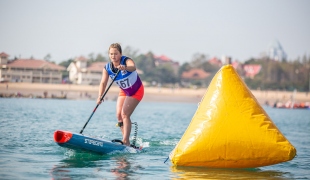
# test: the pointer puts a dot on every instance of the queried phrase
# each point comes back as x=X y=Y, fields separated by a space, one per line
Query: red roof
x=195 y=74
x=3 y=54
x=163 y=58
x=81 y=58
x=34 y=64
x=215 y=61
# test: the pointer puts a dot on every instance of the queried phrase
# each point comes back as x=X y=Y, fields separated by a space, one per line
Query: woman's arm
x=130 y=66
x=103 y=84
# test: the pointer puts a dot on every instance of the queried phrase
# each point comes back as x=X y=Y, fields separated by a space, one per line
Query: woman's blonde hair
x=117 y=46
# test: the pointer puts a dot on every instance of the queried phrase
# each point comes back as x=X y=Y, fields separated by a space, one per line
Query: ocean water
x=27 y=149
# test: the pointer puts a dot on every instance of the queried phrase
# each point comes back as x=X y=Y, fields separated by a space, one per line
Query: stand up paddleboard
x=78 y=141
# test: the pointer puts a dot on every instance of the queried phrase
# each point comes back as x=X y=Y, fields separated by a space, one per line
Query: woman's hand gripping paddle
x=100 y=100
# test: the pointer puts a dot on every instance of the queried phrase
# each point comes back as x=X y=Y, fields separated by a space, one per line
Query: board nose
x=62 y=136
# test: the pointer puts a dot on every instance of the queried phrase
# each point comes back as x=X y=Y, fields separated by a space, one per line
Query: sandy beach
x=151 y=93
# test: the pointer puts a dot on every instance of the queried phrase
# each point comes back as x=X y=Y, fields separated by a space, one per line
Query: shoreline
x=152 y=94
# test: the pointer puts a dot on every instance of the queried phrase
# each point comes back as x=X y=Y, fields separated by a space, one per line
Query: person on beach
x=131 y=87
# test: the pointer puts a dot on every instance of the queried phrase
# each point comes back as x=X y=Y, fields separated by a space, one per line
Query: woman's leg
x=129 y=105
x=119 y=107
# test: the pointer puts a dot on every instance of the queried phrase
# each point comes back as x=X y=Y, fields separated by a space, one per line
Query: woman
x=131 y=87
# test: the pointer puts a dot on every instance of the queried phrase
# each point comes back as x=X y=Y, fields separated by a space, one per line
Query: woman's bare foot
x=126 y=143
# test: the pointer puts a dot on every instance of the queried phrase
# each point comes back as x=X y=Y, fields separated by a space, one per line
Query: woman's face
x=114 y=55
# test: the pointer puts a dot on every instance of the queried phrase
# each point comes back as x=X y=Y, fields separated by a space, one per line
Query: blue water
x=27 y=149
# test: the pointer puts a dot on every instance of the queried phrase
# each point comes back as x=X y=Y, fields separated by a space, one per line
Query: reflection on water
x=212 y=173
x=118 y=165
x=76 y=159
x=122 y=169
x=60 y=172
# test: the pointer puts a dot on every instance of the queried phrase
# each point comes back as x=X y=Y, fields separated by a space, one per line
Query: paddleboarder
x=131 y=87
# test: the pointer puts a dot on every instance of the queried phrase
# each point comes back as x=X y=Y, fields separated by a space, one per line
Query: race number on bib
x=127 y=82
x=124 y=84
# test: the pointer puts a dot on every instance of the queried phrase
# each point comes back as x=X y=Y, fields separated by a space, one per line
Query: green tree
x=130 y=52
x=101 y=58
x=48 y=57
x=184 y=67
x=275 y=75
x=65 y=64
x=146 y=63
x=198 y=59
x=164 y=74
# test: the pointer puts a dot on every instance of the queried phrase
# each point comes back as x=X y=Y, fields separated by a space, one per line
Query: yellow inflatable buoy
x=231 y=130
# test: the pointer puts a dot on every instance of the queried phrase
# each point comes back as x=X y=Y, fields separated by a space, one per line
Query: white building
x=80 y=73
x=276 y=52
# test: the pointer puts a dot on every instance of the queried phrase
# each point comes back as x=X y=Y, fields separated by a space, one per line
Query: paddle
x=100 y=100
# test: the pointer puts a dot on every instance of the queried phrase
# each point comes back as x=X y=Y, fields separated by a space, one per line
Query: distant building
x=164 y=60
x=29 y=70
x=194 y=75
x=226 y=59
x=276 y=52
x=80 y=73
x=251 y=70
x=235 y=64
x=3 y=58
x=215 y=61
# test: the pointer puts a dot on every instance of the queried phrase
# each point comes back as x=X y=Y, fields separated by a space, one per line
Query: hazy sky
x=176 y=28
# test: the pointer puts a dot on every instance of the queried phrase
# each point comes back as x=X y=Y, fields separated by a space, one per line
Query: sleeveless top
x=129 y=82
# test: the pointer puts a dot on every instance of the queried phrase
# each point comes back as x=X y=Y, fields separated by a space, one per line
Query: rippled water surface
x=27 y=149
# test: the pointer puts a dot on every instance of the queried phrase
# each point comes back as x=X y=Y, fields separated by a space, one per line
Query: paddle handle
x=100 y=100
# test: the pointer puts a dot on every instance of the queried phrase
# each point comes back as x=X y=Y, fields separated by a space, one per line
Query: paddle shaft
x=99 y=104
